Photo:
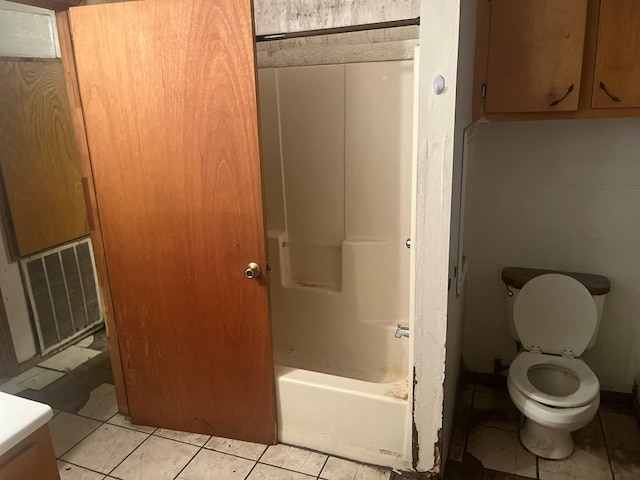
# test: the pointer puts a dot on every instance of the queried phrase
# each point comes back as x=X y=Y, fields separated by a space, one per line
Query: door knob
x=253 y=270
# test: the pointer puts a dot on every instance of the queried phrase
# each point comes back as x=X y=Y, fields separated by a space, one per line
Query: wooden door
x=535 y=55
x=617 y=71
x=169 y=96
x=39 y=161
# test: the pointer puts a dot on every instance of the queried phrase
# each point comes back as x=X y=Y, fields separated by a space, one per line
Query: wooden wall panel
x=39 y=161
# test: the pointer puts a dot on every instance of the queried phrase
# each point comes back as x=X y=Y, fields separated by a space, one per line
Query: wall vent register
x=63 y=293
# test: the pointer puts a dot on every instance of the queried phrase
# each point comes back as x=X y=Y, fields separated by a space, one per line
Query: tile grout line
x=298 y=471
x=321 y=469
x=77 y=443
x=256 y=462
x=129 y=454
x=80 y=466
x=606 y=446
x=190 y=460
x=468 y=426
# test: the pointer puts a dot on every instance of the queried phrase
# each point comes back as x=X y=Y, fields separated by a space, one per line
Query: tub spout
x=402 y=331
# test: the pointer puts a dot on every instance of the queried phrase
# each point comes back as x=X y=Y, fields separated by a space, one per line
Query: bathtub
x=337 y=152
x=342 y=382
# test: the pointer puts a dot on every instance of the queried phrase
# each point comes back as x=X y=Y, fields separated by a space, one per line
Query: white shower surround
x=338 y=189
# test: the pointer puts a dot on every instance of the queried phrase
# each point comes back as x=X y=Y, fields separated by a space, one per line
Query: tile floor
x=90 y=446
x=485 y=443
x=92 y=441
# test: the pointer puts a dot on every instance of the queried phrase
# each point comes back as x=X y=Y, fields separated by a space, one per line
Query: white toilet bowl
x=555 y=317
x=557 y=396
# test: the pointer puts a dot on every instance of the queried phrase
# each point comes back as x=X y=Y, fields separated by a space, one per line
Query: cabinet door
x=169 y=97
x=39 y=160
x=617 y=72
x=535 y=55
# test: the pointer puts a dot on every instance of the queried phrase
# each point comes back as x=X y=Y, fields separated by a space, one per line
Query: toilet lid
x=556 y=313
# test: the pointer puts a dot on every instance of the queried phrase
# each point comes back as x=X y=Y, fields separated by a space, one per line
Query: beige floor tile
x=69 y=359
x=591 y=464
x=156 y=459
x=186 y=437
x=626 y=465
x=209 y=465
x=102 y=403
x=339 y=469
x=85 y=342
x=67 y=430
x=296 y=459
x=367 y=472
x=122 y=421
x=249 y=450
x=501 y=450
x=314 y=464
x=293 y=458
x=105 y=448
x=73 y=472
x=12 y=385
x=42 y=379
x=589 y=460
x=496 y=411
x=621 y=431
x=267 y=472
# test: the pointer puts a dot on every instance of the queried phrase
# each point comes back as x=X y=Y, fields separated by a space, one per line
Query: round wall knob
x=253 y=270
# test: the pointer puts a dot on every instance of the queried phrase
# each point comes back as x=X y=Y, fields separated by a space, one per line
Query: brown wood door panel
x=39 y=161
x=617 y=72
x=169 y=96
x=535 y=55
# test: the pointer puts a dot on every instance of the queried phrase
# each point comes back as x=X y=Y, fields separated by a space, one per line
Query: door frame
x=77 y=118
x=437 y=126
x=439 y=31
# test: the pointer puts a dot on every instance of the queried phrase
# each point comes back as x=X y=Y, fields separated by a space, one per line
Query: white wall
x=27 y=31
x=276 y=16
x=364 y=46
x=455 y=313
x=557 y=194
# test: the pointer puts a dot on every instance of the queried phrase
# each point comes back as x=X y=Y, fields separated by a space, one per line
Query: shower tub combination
x=337 y=163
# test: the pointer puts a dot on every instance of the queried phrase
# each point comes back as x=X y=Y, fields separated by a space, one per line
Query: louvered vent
x=63 y=292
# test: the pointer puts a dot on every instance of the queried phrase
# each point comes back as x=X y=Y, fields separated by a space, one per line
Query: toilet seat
x=588 y=389
x=558 y=419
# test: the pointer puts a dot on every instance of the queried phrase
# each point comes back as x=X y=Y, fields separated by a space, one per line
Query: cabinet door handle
x=87 y=203
x=612 y=97
x=556 y=102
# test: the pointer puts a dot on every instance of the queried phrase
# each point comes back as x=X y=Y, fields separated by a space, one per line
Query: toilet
x=554 y=316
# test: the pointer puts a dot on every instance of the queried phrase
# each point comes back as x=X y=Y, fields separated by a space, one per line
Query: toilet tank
x=514 y=279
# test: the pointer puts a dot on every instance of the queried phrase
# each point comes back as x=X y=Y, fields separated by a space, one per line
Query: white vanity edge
x=19 y=418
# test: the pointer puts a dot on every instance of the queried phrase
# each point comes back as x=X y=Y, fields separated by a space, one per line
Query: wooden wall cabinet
x=553 y=59
x=617 y=70
x=31 y=459
x=535 y=55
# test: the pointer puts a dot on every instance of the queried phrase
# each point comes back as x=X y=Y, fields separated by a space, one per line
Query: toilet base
x=545 y=442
